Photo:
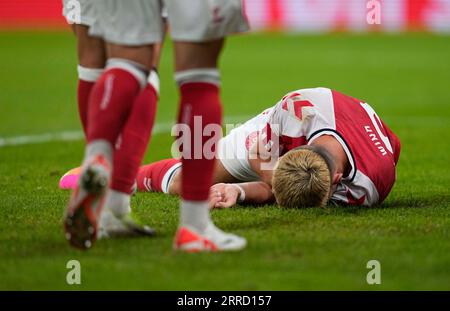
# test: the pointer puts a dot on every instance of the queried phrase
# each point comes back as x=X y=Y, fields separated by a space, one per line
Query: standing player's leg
x=134 y=138
x=135 y=130
x=199 y=82
x=130 y=149
x=91 y=54
x=114 y=104
x=91 y=62
x=198 y=29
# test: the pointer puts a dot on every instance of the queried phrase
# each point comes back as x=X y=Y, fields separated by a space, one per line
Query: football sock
x=86 y=81
x=118 y=203
x=131 y=146
x=199 y=98
x=194 y=214
x=112 y=98
x=99 y=146
x=156 y=177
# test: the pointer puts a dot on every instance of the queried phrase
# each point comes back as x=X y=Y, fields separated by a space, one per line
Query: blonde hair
x=303 y=178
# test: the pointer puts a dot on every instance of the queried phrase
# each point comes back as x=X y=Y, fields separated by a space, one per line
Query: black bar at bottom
x=222 y=299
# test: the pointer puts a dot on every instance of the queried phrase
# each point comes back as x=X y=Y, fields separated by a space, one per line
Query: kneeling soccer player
x=313 y=147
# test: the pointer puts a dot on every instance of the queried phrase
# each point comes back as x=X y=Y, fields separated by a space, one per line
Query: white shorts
x=205 y=20
x=128 y=22
x=140 y=22
x=86 y=10
x=234 y=148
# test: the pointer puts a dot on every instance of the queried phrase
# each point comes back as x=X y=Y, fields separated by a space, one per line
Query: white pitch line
x=166 y=127
x=159 y=128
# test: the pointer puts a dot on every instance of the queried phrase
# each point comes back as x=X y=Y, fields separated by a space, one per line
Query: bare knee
x=91 y=50
x=138 y=54
x=191 y=55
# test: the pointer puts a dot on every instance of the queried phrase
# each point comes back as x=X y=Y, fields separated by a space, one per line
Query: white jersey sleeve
x=297 y=116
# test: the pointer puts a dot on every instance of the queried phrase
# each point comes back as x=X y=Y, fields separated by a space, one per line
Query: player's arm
x=261 y=160
x=227 y=195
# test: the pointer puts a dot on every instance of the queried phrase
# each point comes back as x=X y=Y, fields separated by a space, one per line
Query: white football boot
x=212 y=239
x=126 y=226
x=86 y=203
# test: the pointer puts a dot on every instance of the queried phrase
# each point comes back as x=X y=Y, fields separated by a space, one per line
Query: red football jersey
x=371 y=147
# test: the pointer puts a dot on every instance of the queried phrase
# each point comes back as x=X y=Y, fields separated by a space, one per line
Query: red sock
x=110 y=104
x=198 y=99
x=155 y=177
x=84 y=91
x=134 y=140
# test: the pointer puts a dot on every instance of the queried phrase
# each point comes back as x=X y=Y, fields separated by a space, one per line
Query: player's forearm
x=260 y=161
x=265 y=175
x=257 y=192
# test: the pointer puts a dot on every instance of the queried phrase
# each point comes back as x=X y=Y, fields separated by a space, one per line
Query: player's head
x=304 y=177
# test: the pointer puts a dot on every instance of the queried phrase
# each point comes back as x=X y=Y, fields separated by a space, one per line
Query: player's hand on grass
x=223 y=195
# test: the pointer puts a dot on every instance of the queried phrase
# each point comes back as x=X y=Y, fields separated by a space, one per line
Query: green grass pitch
x=404 y=77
